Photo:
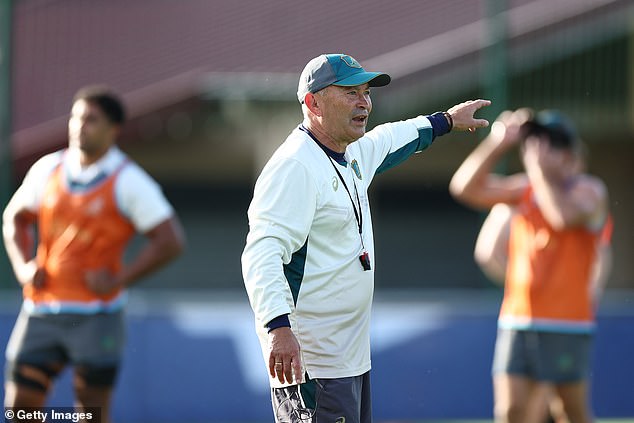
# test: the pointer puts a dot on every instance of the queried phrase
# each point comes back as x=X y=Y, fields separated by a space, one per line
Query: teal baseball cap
x=336 y=69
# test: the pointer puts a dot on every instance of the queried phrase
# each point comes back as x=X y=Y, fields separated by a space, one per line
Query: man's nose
x=364 y=100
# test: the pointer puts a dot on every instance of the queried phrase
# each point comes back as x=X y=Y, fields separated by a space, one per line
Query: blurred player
x=491 y=254
x=86 y=202
x=546 y=320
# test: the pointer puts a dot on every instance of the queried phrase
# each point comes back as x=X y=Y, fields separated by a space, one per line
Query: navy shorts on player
x=95 y=342
x=543 y=356
x=324 y=400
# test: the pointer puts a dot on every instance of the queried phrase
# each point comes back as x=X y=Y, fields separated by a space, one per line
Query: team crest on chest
x=335 y=183
x=355 y=168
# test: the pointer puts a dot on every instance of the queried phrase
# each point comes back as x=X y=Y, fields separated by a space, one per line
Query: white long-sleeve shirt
x=302 y=252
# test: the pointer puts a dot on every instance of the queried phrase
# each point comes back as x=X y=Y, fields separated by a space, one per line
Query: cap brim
x=375 y=79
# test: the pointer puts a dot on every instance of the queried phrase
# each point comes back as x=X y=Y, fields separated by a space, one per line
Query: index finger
x=479 y=103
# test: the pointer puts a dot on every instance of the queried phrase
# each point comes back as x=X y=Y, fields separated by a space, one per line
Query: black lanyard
x=364 y=258
x=358 y=215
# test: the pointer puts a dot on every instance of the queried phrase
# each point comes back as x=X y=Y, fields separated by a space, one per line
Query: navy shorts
x=543 y=356
x=324 y=400
x=94 y=341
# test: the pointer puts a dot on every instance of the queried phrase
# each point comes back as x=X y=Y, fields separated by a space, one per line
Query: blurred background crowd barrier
x=196 y=359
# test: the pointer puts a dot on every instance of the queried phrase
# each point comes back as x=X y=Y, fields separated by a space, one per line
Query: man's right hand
x=284 y=360
x=463 y=117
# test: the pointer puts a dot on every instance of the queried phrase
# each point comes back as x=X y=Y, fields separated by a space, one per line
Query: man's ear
x=311 y=101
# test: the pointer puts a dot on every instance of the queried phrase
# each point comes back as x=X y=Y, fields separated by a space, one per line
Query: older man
x=308 y=264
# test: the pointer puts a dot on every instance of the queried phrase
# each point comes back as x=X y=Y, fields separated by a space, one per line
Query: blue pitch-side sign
x=201 y=362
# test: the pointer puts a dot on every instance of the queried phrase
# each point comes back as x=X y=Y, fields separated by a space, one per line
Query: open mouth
x=360 y=119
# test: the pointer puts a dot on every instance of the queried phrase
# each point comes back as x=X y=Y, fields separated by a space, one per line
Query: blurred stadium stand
x=210 y=86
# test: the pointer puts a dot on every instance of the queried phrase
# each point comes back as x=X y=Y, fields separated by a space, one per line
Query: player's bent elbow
x=177 y=245
x=464 y=195
x=456 y=189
